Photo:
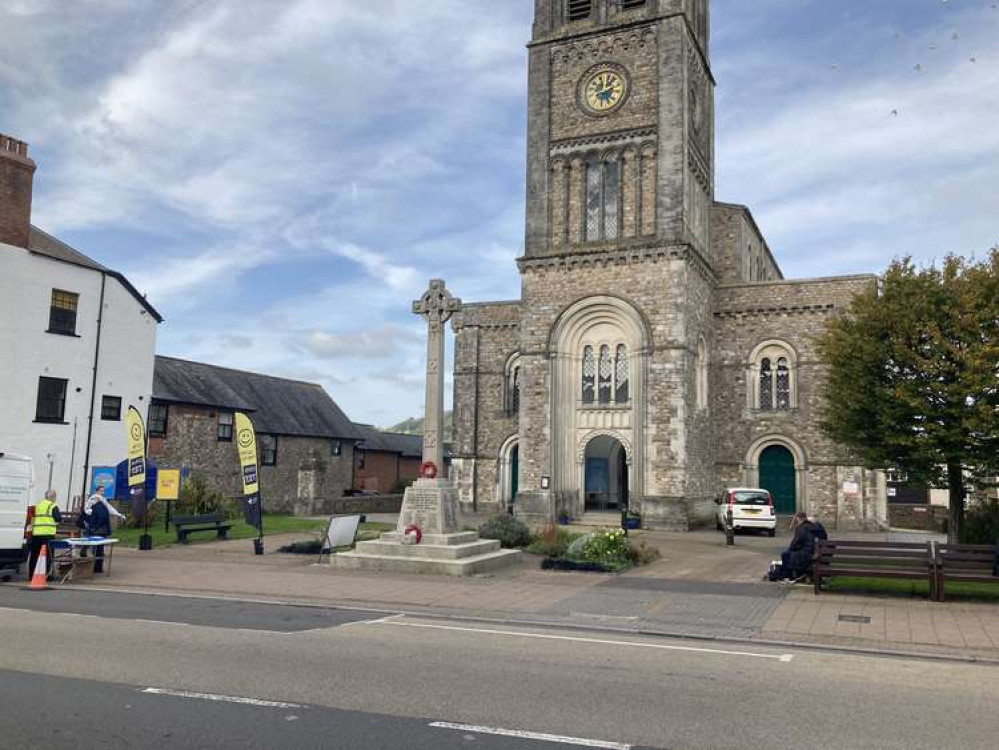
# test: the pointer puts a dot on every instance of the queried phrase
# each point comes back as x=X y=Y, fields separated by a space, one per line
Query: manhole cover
x=855 y=618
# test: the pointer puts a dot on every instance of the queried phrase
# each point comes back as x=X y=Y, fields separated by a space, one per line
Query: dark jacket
x=99 y=522
x=802 y=549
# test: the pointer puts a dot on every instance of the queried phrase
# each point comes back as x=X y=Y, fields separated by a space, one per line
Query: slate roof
x=277 y=406
x=408 y=446
x=42 y=243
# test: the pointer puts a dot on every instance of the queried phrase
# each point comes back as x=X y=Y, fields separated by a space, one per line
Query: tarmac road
x=360 y=680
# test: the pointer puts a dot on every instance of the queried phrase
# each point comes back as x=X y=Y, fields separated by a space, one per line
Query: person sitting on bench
x=797 y=559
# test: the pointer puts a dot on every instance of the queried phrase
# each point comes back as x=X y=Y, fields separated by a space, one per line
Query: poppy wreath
x=428 y=470
x=414 y=530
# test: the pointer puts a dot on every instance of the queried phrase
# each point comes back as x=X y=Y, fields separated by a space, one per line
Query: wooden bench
x=186 y=525
x=968 y=563
x=907 y=560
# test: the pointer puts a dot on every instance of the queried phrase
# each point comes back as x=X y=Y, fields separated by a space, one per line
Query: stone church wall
x=486 y=336
x=795 y=313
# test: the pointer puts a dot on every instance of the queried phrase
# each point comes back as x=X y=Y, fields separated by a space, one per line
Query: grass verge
x=917 y=589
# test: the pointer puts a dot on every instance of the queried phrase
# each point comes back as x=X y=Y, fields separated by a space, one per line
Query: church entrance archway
x=777 y=474
x=606 y=475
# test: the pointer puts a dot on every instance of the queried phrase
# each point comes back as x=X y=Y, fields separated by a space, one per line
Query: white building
x=77 y=345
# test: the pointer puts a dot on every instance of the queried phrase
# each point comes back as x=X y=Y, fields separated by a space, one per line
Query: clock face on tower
x=604 y=89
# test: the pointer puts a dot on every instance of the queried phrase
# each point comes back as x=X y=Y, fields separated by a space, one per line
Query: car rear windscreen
x=751 y=498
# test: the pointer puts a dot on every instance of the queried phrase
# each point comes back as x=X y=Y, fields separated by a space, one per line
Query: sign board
x=103 y=476
x=892 y=492
x=341 y=532
x=168 y=484
x=851 y=488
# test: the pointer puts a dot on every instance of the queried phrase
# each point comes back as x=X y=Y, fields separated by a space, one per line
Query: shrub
x=981 y=523
x=196 y=499
x=508 y=530
x=606 y=546
x=642 y=554
x=551 y=541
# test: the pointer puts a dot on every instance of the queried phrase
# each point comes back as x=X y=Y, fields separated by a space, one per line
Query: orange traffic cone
x=39 y=577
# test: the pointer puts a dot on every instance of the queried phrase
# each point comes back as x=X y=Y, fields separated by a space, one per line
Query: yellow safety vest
x=44 y=523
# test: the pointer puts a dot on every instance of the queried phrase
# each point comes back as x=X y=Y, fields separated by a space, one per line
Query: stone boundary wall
x=920 y=517
x=359 y=504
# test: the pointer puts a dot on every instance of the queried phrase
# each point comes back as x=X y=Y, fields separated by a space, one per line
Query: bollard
x=729 y=528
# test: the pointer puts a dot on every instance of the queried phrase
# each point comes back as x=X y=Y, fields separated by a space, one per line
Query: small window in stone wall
x=775 y=378
x=268 y=450
x=336 y=448
x=606 y=374
x=579 y=10
x=225 y=420
x=158 y=415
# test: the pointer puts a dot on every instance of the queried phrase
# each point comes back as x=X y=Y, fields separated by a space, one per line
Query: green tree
x=914 y=375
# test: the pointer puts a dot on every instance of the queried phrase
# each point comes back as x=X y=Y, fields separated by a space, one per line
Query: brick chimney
x=17 y=173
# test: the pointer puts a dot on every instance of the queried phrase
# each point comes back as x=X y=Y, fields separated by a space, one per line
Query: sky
x=282 y=177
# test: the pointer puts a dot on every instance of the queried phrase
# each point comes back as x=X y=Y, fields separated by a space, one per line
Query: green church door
x=777 y=475
x=514 y=473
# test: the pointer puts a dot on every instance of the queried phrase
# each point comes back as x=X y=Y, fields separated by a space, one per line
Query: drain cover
x=855 y=618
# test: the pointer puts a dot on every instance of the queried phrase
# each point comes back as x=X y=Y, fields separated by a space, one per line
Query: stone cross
x=436 y=306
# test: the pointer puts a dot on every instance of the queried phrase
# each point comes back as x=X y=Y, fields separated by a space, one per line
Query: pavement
x=699 y=588
x=114 y=680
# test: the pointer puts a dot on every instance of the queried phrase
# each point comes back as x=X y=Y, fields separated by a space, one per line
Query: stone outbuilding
x=657 y=354
x=305 y=443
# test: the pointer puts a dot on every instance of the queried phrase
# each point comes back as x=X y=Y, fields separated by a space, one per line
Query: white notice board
x=341 y=532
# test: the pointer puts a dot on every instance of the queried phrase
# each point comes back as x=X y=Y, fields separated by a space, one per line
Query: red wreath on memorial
x=428 y=470
x=414 y=529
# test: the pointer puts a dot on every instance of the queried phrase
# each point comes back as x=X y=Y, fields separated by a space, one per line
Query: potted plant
x=632 y=520
x=564 y=519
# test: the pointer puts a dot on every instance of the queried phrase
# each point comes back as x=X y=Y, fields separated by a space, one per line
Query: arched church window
x=621 y=375
x=579 y=10
x=589 y=375
x=606 y=373
x=603 y=190
x=701 y=374
x=515 y=391
x=766 y=385
x=783 y=390
x=774 y=365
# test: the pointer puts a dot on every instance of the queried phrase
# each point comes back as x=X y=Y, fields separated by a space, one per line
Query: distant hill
x=414 y=426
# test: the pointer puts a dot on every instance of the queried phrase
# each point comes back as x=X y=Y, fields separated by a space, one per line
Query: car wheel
x=771 y=532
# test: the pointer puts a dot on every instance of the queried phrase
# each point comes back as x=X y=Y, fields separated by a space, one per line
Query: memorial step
x=461 y=537
x=466 y=566
x=436 y=551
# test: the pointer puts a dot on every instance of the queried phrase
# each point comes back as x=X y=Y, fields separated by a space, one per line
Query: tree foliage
x=914 y=374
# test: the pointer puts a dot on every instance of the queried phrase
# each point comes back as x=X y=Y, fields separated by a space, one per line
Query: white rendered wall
x=27 y=351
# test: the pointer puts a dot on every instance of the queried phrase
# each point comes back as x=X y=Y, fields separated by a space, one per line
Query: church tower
x=621 y=120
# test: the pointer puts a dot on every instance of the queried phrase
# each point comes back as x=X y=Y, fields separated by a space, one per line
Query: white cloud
x=374 y=342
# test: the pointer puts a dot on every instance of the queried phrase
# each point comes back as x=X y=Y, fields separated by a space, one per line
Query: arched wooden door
x=777 y=475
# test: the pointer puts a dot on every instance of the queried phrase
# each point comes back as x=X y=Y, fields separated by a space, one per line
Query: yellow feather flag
x=135 y=431
x=246 y=444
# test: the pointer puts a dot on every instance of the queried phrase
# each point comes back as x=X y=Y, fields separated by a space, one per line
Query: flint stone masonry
x=689 y=284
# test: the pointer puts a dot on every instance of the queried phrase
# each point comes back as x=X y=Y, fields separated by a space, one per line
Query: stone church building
x=657 y=353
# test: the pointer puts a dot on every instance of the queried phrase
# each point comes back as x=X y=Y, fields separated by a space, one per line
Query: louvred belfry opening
x=580 y=10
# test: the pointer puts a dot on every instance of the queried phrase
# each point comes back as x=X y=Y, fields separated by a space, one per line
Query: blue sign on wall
x=121 y=482
x=103 y=476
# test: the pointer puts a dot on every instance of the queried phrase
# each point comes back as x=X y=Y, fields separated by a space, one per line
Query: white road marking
x=219 y=698
x=784 y=658
x=379 y=621
x=578 y=741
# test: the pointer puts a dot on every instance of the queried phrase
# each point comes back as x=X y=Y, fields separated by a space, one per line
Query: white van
x=16 y=481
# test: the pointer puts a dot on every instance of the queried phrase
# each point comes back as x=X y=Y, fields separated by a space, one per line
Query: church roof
x=43 y=243
x=277 y=406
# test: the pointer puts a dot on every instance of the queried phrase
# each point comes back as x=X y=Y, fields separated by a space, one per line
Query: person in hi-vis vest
x=44 y=526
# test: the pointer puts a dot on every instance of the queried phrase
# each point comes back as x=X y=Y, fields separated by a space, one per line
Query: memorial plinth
x=431 y=504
